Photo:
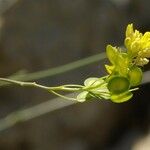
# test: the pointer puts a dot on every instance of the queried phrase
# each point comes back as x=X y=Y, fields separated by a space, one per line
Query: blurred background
x=42 y=34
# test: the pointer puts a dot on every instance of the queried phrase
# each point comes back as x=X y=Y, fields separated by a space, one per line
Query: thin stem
x=21 y=83
x=23 y=76
x=62 y=96
x=73 y=85
x=34 y=84
x=135 y=89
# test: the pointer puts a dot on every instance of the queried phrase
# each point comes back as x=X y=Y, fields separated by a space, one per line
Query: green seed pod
x=83 y=96
x=120 y=98
x=118 y=84
x=135 y=75
x=93 y=82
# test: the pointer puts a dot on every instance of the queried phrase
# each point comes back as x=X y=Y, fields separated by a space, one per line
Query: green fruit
x=135 y=75
x=83 y=96
x=118 y=84
x=93 y=82
x=120 y=98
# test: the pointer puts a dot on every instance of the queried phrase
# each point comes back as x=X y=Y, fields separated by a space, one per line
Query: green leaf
x=120 y=98
x=118 y=84
x=83 y=96
x=112 y=54
x=135 y=75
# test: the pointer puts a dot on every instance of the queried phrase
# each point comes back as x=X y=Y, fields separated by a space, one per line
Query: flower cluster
x=124 y=72
x=138 y=45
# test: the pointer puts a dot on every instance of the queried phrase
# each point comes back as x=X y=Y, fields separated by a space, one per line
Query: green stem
x=70 y=88
x=135 y=89
x=62 y=96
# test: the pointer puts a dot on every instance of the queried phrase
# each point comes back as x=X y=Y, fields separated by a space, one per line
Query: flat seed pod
x=118 y=84
x=83 y=96
x=102 y=92
x=135 y=75
x=93 y=82
x=120 y=98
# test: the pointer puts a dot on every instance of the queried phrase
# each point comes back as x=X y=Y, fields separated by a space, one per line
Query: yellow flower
x=138 y=45
x=132 y=40
x=119 y=61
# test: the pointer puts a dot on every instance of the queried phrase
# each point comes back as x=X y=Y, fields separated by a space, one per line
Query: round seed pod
x=120 y=98
x=118 y=84
x=135 y=75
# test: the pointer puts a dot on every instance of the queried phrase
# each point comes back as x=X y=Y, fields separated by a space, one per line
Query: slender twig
x=71 y=87
x=62 y=96
x=57 y=70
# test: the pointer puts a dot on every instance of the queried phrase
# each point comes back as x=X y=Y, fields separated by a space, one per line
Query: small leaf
x=135 y=75
x=120 y=98
x=83 y=96
x=118 y=84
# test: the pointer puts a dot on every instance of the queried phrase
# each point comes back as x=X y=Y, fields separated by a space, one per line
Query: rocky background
x=41 y=34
